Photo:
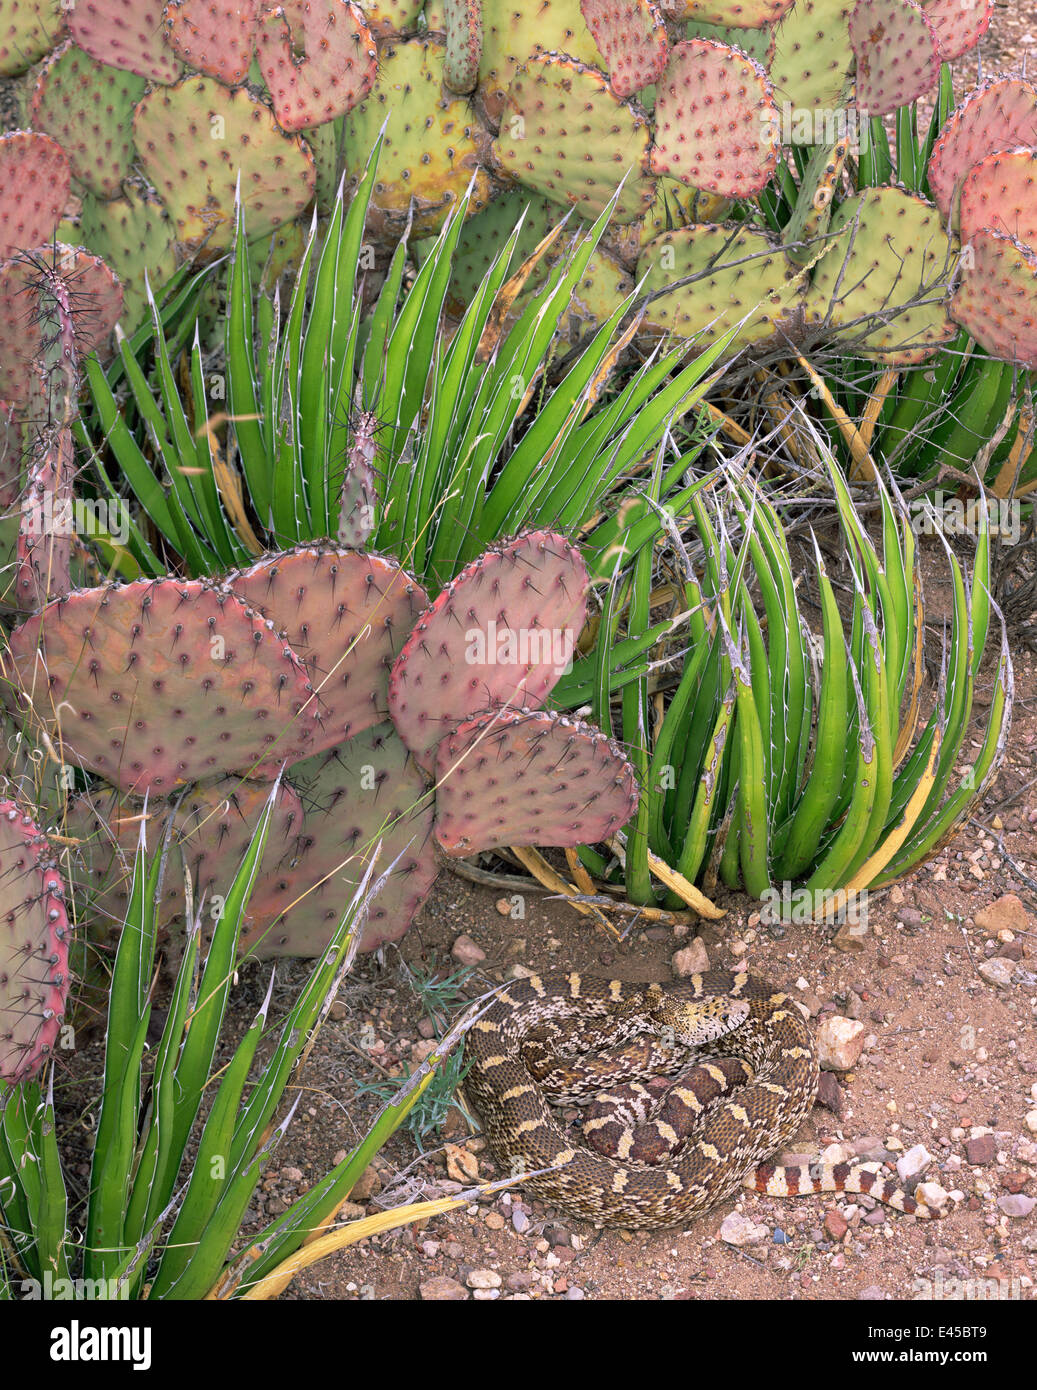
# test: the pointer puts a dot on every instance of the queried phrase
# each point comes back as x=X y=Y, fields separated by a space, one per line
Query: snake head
x=697 y=1021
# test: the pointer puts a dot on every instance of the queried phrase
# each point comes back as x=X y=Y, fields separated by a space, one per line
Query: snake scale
x=729 y=1137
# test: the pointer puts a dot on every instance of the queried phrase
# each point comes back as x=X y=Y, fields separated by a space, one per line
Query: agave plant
x=788 y=757
x=465 y=436
x=159 y=1224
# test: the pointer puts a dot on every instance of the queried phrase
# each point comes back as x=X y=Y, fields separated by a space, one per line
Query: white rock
x=932 y=1194
x=484 y=1279
x=997 y=971
x=840 y=1042
x=739 y=1230
x=914 y=1163
x=692 y=959
x=1031 y=1121
x=466 y=951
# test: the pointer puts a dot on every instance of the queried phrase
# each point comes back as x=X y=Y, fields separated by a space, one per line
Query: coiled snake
x=527 y=1048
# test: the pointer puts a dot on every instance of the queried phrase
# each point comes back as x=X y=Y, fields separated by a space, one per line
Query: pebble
x=932 y=1194
x=871 y=1293
x=981 y=1151
x=1005 y=912
x=484 y=1279
x=835 y=1224
x=366 y=1185
x=442 y=1289
x=461 y=1165
x=291 y=1174
x=913 y=1163
x=466 y=951
x=520 y=1221
x=486 y=1295
x=519 y=1280
x=997 y=971
x=423 y=1049
x=494 y=1220
x=574 y=1294
x=1016 y=1204
x=1031 y=1121
x=690 y=960
x=739 y=1230
x=840 y=1042
x=830 y=1093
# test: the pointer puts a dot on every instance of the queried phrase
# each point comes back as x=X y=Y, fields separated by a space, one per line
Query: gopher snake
x=728 y=1141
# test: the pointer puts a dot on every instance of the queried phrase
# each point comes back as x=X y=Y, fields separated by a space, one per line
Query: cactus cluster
x=167 y=108
x=982 y=174
x=328 y=661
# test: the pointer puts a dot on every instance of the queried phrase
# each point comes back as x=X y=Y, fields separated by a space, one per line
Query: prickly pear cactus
x=881 y=282
x=348 y=614
x=197 y=694
x=34 y=938
x=155 y=684
x=318 y=60
x=529 y=777
x=364 y=794
x=484 y=641
x=88 y=107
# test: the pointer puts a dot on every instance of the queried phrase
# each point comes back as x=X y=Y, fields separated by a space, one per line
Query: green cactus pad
x=898 y=60
x=318 y=59
x=127 y=34
x=483 y=236
x=996 y=300
x=28 y=30
x=433 y=143
x=999 y=114
x=133 y=235
x=34 y=937
x=894 y=252
x=759 y=44
x=633 y=39
x=565 y=134
x=959 y=24
x=193 y=140
x=96 y=299
x=500 y=633
x=34 y=185
x=157 y=683
x=324 y=142
x=214 y=37
x=463 y=44
x=529 y=777
x=801 y=235
x=88 y=107
x=716 y=125
x=211 y=830
x=745 y=14
x=513 y=33
x=1000 y=192
x=362 y=793
x=813 y=57
x=741 y=275
x=391 y=18
x=347 y=614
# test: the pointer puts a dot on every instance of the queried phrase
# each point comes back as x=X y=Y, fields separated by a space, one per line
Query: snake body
x=754 y=1109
